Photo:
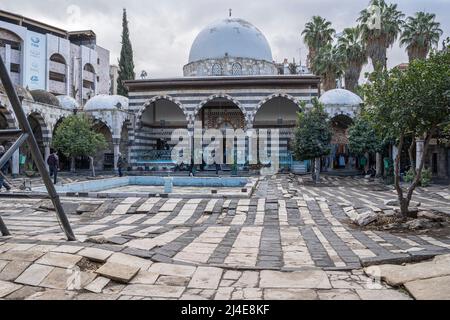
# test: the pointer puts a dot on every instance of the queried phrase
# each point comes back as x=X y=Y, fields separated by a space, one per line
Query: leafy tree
x=317 y=33
x=363 y=137
x=379 y=38
x=313 y=136
x=126 y=63
x=75 y=137
x=410 y=104
x=329 y=64
x=293 y=67
x=354 y=53
x=420 y=33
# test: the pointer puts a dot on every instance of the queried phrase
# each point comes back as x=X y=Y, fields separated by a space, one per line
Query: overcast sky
x=162 y=31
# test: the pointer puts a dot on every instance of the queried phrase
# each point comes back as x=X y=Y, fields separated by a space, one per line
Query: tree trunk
x=418 y=177
x=72 y=164
x=411 y=155
x=313 y=170
x=91 y=160
x=317 y=170
x=398 y=188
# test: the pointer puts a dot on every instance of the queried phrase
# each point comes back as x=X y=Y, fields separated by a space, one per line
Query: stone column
x=419 y=152
x=116 y=155
x=46 y=153
x=15 y=164
x=379 y=164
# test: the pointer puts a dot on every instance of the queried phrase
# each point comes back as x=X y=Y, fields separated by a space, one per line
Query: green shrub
x=425 y=180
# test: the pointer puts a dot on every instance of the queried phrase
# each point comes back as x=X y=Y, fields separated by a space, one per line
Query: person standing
x=120 y=165
x=53 y=165
x=3 y=171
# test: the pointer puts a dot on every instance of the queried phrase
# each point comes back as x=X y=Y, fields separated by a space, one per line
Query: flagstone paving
x=290 y=239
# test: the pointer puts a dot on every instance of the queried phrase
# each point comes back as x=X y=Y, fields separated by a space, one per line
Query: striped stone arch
x=157 y=98
x=9 y=116
x=273 y=96
x=100 y=120
x=45 y=129
x=216 y=96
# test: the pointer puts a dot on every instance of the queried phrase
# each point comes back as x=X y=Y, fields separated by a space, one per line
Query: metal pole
x=3 y=229
x=8 y=154
x=36 y=153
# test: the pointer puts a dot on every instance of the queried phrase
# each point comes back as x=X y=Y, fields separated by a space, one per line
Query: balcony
x=57 y=67
x=15 y=56
x=88 y=76
x=57 y=87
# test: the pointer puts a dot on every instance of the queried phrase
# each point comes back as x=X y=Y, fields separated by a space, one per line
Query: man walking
x=120 y=165
x=3 y=171
x=53 y=165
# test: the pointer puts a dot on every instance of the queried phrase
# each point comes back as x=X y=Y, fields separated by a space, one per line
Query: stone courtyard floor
x=290 y=240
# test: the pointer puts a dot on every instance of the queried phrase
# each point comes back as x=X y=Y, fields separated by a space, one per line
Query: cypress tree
x=126 y=63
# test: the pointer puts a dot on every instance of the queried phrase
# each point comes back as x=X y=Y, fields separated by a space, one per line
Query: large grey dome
x=106 y=102
x=233 y=38
x=340 y=97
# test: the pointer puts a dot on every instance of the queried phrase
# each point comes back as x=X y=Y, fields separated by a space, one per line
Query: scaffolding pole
x=35 y=152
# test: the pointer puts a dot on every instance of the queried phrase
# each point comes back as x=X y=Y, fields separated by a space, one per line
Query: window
x=217 y=70
x=15 y=67
x=58 y=59
x=236 y=69
x=98 y=79
x=89 y=68
x=98 y=61
x=57 y=77
x=14 y=45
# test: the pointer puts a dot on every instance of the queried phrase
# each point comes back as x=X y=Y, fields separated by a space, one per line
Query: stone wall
x=225 y=65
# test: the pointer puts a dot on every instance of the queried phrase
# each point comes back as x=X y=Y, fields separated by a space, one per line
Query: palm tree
x=354 y=52
x=317 y=34
x=378 y=38
x=420 y=33
x=329 y=64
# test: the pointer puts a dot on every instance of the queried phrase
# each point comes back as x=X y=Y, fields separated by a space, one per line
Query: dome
x=67 y=102
x=45 y=97
x=21 y=91
x=106 y=102
x=233 y=38
x=340 y=97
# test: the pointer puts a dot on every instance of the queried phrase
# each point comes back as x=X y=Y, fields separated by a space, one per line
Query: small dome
x=67 y=102
x=45 y=97
x=340 y=97
x=21 y=91
x=106 y=102
x=235 y=38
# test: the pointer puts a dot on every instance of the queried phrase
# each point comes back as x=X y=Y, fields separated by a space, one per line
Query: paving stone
x=145 y=277
x=430 y=289
x=173 y=281
x=52 y=295
x=34 y=275
x=67 y=279
x=206 y=278
x=249 y=279
x=61 y=260
x=3 y=264
x=224 y=294
x=7 y=288
x=130 y=260
x=307 y=279
x=68 y=249
x=398 y=275
x=23 y=293
x=366 y=294
x=290 y=294
x=97 y=285
x=94 y=254
x=118 y=272
x=337 y=294
x=29 y=256
x=13 y=269
x=153 y=291
x=172 y=269
x=96 y=296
